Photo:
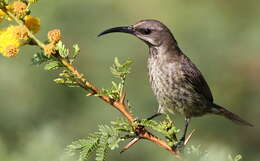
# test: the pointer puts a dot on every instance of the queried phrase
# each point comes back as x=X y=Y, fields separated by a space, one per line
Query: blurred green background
x=39 y=118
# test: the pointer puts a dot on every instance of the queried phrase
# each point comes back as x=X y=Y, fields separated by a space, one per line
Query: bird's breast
x=166 y=82
x=169 y=85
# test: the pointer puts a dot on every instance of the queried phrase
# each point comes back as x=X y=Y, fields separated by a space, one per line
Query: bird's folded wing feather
x=195 y=78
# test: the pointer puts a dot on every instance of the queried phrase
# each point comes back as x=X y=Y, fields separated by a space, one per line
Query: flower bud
x=54 y=35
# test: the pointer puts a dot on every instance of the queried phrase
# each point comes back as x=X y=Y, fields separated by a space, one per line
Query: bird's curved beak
x=124 y=29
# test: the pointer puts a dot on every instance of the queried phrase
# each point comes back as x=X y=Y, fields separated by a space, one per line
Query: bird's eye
x=145 y=31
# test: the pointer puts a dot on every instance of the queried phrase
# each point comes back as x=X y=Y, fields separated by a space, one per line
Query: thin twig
x=189 y=136
x=131 y=143
x=21 y=23
x=90 y=94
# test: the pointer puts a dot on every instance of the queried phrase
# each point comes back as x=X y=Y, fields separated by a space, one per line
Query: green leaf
x=102 y=148
x=67 y=79
x=66 y=74
x=115 y=86
x=113 y=142
x=76 y=50
x=121 y=70
x=113 y=92
x=117 y=64
x=236 y=158
x=66 y=82
x=75 y=54
x=4 y=2
x=103 y=143
x=90 y=146
x=63 y=51
x=196 y=153
x=52 y=65
x=123 y=125
x=39 y=58
x=59 y=80
x=85 y=146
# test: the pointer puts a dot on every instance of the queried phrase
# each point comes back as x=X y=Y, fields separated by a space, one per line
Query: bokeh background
x=39 y=118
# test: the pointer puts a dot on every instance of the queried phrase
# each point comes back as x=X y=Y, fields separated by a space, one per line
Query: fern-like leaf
x=63 y=51
x=39 y=58
x=84 y=146
x=103 y=144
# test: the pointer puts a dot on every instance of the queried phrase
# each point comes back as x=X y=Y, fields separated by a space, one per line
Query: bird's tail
x=230 y=115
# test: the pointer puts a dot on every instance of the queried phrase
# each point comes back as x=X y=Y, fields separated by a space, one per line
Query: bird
x=176 y=82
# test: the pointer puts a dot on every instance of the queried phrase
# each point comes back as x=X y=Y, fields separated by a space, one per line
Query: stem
x=21 y=23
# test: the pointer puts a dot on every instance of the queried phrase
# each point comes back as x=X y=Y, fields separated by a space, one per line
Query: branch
x=140 y=131
x=119 y=105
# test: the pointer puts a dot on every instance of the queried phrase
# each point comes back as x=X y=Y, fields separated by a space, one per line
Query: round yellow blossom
x=33 y=23
x=11 y=51
x=19 y=8
x=49 y=49
x=20 y=32
x=7 y=39
x=54 y=35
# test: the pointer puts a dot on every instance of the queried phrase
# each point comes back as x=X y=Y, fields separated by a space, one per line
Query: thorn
x=122 y=99
x=131 y=143
x=90 y=94
x=189 y=136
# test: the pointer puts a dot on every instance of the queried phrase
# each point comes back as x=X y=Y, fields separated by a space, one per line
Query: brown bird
x=176 y=82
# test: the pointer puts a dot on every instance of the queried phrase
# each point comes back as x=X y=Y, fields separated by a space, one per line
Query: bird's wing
x=195 y=78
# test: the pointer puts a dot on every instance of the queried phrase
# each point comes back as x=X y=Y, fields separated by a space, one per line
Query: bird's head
x=152 y=32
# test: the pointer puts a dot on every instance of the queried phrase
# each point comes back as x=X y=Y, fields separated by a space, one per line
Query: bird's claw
x=178 y=146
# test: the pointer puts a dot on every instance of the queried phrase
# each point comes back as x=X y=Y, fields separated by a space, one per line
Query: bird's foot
x=179 y=145
x=138 y=127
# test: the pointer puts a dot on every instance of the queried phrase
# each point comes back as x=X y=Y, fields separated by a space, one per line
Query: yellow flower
x=11 y=51
x=20 y=32
x=49 y=49
x=19 y=8
x=54 y=35
x=33 y=23
x=2 y=13
x=9 y=42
